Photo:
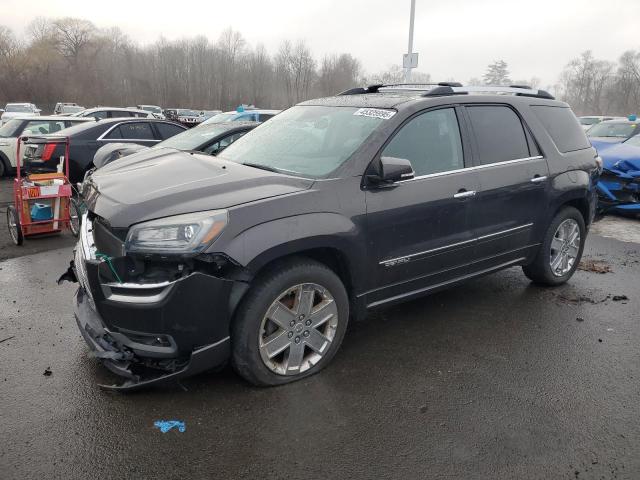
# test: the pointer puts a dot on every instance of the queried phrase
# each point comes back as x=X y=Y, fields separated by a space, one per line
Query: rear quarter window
x=563 y=127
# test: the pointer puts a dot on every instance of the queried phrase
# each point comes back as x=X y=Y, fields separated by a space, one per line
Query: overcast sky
x=456 y=39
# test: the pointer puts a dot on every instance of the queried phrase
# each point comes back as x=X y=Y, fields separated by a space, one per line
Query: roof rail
x=518 y=90
x=405 y=87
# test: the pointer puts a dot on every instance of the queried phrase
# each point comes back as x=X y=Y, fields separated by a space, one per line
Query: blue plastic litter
x=41 y=212
x=166 y=425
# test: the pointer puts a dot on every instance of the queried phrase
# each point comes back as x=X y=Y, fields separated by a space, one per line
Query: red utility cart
x=49 y=192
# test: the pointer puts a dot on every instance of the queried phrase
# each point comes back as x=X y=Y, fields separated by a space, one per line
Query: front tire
x=561 y=249
x=291 y=323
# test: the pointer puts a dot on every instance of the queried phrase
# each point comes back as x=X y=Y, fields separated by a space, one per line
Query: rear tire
x=560 y=252
x=290 y=324
x=13 y=224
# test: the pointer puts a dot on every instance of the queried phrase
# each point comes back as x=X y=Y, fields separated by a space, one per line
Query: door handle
x=465 y=194
x=538 y=179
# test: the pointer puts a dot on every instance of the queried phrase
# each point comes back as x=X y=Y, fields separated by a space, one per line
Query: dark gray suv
x=336 y=206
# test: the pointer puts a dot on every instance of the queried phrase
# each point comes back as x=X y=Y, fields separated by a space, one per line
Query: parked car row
x=87 y=138
x=17 y=127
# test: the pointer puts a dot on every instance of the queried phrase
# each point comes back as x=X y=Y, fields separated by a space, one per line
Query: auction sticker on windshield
x=375 y=113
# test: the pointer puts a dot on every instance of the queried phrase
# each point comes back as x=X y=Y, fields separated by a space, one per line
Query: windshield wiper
x=262 y=167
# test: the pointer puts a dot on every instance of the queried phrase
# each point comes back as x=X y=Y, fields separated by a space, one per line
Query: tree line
x=70 y=59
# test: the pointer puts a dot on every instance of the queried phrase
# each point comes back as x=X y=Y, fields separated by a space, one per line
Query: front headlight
x=189 y=233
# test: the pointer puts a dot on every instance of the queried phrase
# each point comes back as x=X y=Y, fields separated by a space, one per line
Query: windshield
x=10 y=128
x=192 y=139
x=151 y=108
x=310 y=141
x=188 y=113
x=222 y=117
x=19 y=108
x=589 y=120
x=633 y=141
x=618 y=130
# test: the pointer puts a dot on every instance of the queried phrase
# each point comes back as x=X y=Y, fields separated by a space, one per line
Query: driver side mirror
x=390 y=170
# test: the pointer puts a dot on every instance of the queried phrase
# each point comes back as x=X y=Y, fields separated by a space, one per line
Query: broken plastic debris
x=166 y=425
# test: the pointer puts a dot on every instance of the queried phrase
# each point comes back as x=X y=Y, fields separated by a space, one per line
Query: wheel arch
x=7 y=164
x=574 y=189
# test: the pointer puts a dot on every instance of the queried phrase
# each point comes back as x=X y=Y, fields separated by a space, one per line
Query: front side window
x=499 y=133
x=310 y=141
x=431 y=142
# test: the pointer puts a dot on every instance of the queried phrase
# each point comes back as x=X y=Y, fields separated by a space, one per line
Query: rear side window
x=563 y=127
x=167 y=130
x=430 y=141
x=499 y=133
x=121 y=114
x=136 y=131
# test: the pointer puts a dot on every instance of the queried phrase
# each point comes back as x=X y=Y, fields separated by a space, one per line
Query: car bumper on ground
x=151 y=333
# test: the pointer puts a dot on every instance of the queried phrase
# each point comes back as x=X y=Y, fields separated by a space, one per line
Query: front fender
x=261 y=244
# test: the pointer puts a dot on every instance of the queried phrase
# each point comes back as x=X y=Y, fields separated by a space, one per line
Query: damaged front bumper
x=151 y=333
x=121 y=354
x=619 y=191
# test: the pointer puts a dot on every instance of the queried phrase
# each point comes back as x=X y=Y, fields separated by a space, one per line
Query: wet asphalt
x=495 y=379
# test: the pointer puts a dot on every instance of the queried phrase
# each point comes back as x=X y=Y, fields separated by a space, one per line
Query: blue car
x=619 y=185
x=248 y=114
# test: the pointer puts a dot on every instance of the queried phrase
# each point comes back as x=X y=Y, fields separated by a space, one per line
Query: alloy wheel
x=298 y=328
x=565 y=247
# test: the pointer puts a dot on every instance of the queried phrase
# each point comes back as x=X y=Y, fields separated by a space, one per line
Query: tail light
x=48 y=151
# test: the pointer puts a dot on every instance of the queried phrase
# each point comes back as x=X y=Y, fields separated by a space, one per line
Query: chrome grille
x=85 y=249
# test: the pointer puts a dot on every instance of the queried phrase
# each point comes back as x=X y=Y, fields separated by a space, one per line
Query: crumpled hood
x=157 y=183
x=621 y=157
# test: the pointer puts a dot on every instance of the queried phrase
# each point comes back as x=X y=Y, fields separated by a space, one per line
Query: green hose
x=107 y=258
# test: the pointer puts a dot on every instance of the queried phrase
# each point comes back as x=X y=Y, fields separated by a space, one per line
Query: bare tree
x=584 y=81
x=338 y=73
x=72 y=36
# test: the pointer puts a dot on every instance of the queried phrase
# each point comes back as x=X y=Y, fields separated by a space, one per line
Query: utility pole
x=410 y=60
